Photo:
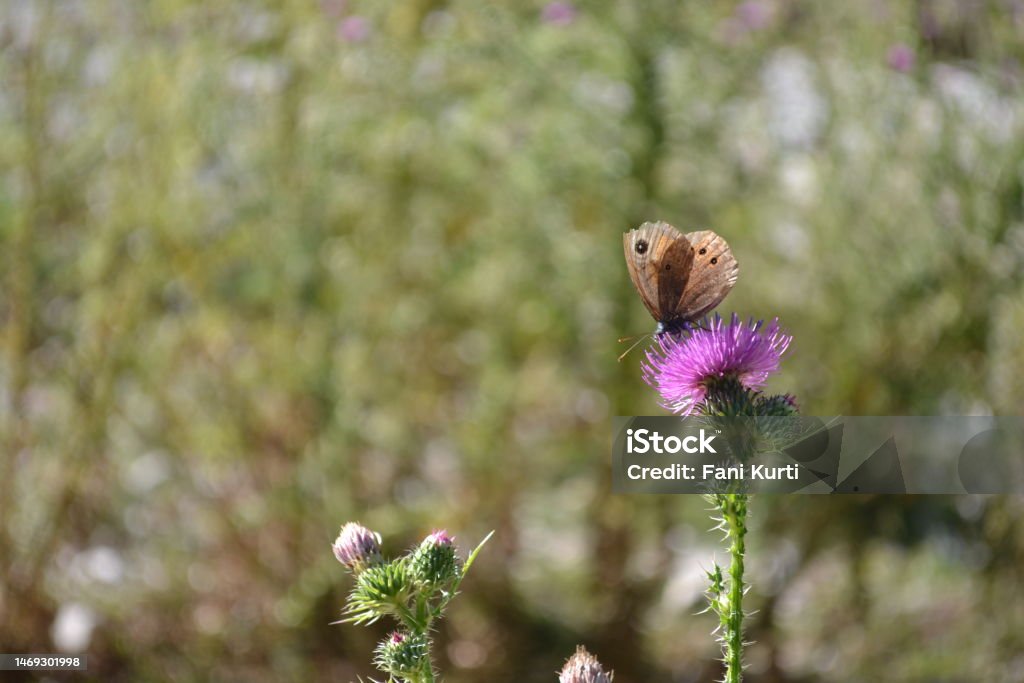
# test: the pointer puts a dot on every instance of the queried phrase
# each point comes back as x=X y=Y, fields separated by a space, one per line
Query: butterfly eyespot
x=703 y=250
x=668 y=266
x=714 y=260
x=641 y=247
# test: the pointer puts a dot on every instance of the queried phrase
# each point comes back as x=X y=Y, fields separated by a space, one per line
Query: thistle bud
x=434 y=561
x=583 y=667
x=402 y=654
x=780 y=405
x=357 y=547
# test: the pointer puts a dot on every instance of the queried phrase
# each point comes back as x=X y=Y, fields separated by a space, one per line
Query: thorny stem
x=421 y=626
x=734 y=513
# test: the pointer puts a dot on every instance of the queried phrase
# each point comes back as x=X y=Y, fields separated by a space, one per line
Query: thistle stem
x=734 y=512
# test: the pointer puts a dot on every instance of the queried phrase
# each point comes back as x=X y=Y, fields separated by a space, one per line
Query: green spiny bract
x=727 y=397
x=781 y=405
x=381 y=589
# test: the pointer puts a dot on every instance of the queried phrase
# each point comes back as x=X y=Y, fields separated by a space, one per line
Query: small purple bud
x=354 y=29
x=559 y=13
x=583 y=667
x=357 y=547
x=901 y=58
x=396 y=637
x=439 y=537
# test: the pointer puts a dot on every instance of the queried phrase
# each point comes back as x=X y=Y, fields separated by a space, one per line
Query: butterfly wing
x=713 y=274
x=674 y=268
x=658 y=257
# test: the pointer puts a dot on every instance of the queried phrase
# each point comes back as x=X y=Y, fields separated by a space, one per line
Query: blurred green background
x=269 y=267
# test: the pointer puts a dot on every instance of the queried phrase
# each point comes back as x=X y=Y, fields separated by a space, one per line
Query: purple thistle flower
x=901 y=58
x=682 y=368
x=583 y=667
x=357 y=547
x=559 y=13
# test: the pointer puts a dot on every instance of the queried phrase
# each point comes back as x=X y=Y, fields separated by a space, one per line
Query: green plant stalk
x=429 y=615
x=424 y=619
x=734 y=512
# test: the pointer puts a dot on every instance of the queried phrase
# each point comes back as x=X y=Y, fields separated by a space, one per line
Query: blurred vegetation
x=269 y=267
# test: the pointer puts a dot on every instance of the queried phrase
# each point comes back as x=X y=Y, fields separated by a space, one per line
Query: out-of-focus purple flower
x=901 y=58
x=357 y=547
x=681 y=369
x=749 y=17
x=583 y=667
x=354 y=29
x=334 y=8
x=559 y=13
x=754 y=15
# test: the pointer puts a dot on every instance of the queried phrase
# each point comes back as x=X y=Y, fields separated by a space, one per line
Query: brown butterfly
x=679 y=277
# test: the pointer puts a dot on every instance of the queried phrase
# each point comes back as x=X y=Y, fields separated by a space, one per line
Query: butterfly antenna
x=637 y=343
